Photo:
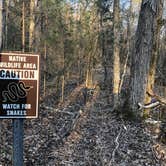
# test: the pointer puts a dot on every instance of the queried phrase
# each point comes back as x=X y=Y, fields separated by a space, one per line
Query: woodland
x=102 y=81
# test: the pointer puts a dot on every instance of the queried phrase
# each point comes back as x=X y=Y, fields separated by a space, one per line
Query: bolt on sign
x=19 y=85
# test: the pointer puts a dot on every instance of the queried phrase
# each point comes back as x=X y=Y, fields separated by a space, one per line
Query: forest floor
x=79 y=133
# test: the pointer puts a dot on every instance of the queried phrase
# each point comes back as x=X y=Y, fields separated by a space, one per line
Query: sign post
x=18 y=142
x=19 y=94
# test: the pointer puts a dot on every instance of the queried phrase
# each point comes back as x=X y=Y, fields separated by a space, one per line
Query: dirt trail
x=75 y=134
x=101 y=139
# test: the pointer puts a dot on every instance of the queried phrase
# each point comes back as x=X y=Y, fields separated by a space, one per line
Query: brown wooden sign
x=19 y=85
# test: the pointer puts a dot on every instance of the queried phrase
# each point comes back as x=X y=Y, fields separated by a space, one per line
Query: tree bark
x=31 y=24
x=128 y=46
x=1 y=24
x=1 y=33
x=88 y=81
x=116 y=61
x=6 y=25
x=142 y=54
x=23 y=26
x=45 y=68
x=155 y=50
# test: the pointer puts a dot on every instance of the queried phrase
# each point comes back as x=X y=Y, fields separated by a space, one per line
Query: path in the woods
x=75 y=134
x=101 y=139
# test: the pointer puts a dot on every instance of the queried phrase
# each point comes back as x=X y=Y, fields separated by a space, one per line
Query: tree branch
x=160 y=99
x=151 y=105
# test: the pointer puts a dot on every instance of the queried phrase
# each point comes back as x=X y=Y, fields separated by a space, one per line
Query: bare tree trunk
x=106 y=47
x=116 y=61
x=44 y=28
x=6 y=25
x=102 y=44
x=63 y=67
x=89 y=73
x=45 y=67
x=142 y=54
x=63 y=88
x=1 y=34
x=128 y=47
x=31 y=24
x=23 y=26
x=37 y=28
x=155 y=50
x=1 y=23
x=88 y=81
x=106 y=51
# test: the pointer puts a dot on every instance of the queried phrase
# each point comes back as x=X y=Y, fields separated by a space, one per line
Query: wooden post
x=17 y=142
x=18 y=123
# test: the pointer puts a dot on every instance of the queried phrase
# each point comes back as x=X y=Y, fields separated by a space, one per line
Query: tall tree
x=23 y=26
x=128 y=44
x=106 y=43
x=116 y=59
x=142 y=53
x=155 y=50
x=1 y=30
x=31 y=24
x=1 y=23
x=6 y=24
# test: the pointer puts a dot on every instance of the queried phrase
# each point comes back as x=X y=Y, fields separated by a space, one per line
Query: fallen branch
x=152 y=121
x=162 y=100
x=158 y=101
x=57 y=110
x=150 y=105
